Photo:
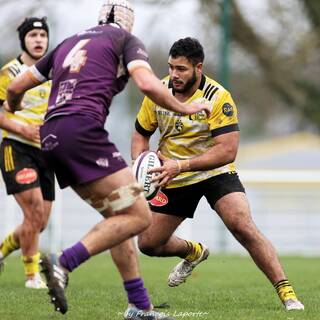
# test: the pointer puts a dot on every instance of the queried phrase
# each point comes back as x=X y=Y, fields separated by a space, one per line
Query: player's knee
x=244 y=231
x=34 y=218
x=147 y=248
x=144 y=216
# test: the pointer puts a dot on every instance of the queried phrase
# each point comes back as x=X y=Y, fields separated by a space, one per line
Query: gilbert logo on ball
x=146 y=161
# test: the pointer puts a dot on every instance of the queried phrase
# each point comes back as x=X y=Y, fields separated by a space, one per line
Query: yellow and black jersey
x=35 y=101
x=186 y=136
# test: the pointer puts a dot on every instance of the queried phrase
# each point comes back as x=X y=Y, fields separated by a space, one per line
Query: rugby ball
x=146 y=161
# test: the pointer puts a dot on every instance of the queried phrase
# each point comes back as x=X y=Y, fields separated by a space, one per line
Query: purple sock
x=137 y=294
x=71 y=258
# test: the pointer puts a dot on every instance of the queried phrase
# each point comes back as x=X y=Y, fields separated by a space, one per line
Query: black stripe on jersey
x=14 y=70
x=20 y=60
x=212 y=93
x=226 y=129
x=202 y=83
x=208 y=88
x=142 y=130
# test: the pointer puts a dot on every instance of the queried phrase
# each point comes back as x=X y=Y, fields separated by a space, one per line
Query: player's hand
x=6 y=107
x=31 y=132
x=194 y=107
x=169 y=169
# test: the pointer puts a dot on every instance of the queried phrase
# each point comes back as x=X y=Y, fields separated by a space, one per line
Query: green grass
x=224 y=287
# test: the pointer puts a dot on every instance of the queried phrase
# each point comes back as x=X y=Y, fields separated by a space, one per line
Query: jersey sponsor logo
x=103 y=162
x=199 y=116
x=26 y=176
x=65 y=93
x=159 y=200
x=227 y=110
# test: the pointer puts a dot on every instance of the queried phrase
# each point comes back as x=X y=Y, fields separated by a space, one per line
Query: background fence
x=285 y=205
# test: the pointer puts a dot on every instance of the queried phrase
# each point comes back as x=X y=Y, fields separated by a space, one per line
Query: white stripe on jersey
x=37 y=74
x=134 y=64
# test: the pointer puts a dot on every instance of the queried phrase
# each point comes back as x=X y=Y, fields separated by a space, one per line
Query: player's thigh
x=102 y=187
x=161 y=229
x=31 y=203
x=235 y=212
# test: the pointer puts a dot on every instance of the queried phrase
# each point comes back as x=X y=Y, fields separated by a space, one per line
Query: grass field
x=224 y=287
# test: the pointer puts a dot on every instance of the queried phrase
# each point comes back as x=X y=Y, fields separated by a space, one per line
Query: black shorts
x=183 y=201
x=23 y=167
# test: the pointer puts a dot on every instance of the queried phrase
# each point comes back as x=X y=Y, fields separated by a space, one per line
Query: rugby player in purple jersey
x=87 y=71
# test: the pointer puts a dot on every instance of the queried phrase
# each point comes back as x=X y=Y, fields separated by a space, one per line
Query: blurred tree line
x=274 y=59
x=274 y=55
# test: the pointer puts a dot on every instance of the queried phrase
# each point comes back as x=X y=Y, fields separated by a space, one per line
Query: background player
x=24 y=170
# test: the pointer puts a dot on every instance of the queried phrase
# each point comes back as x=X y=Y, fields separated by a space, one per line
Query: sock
x=8 y=245
x=194 y=252
x=285 y=290
x=71 y=258
x=31 y=265
x=137 y=294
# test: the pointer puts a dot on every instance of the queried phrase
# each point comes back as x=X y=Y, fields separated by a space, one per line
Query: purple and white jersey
x=88 y=69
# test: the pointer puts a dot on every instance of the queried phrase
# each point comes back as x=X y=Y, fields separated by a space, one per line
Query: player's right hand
x=31 y=132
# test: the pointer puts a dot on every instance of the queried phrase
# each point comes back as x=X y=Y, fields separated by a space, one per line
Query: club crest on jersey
x=159 y=200
x=42 y=93
x=26 y=176
x=179 y=125
x=227 y=110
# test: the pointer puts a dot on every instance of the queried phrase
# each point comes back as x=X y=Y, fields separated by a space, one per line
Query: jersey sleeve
x=42 y=69
x=146 y=122
x=5 y=80
x=224 y=116
x=134 y=53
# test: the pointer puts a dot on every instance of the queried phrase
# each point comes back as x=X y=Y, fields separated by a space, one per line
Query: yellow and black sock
x=31 y=264
x=285 y=290
x=8 y=245
x=194 y=252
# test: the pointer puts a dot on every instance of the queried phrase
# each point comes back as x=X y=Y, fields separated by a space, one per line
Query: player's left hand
x=169 y=169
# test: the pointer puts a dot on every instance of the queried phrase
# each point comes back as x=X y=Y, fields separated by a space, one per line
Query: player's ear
x=199 y=66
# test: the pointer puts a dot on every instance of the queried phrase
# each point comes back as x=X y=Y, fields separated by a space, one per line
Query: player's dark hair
x=189 y=48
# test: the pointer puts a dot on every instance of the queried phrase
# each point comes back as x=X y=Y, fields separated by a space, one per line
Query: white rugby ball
x=146 y=161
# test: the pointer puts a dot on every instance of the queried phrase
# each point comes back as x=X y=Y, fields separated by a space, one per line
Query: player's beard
x=188 y=84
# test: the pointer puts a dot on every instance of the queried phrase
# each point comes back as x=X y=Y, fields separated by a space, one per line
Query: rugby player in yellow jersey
x=24 y=170
x=198 y=155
